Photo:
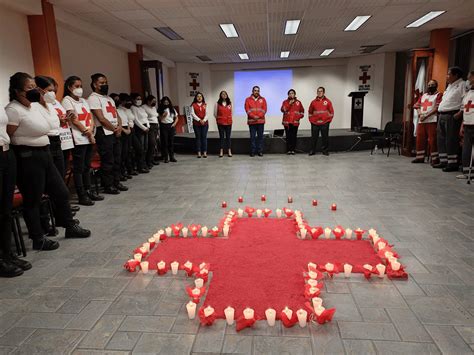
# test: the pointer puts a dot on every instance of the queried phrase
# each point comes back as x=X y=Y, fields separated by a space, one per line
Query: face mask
x=138 y=102
x=153 y=104
x=117 y=103
x=104 y=89
x=431 y=90
x=77 y=92
x=50 y=97
x=33 y=95
x=128 y=105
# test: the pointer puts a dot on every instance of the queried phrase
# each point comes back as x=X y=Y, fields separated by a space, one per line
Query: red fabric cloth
x=320 y=111
x=256 y=110
x=292 y=113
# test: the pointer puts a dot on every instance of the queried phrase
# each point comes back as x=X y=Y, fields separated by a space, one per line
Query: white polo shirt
x=452 y=97
x=4 y=138
x=468 y=108
x=107 y=105
x=152 y=113
x=33 y=127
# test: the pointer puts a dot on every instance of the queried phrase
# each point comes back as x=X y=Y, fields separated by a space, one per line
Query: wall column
x=439 y=41
x=134 y=69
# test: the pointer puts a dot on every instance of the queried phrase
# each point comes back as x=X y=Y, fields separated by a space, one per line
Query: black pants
x=448 y=138
x=256 y=137
x=57 y=154
x=37 y=175
x=167 y=132
x=81 y=167
x=467 y=147
x=7 y=187
x=291 y=132
x=224 y=135
x=109 y=151
x=140 y=146
x=152 y=138
x=125 y=162
x=324 y=129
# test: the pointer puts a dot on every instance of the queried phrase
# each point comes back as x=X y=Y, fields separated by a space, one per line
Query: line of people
x=321 y=113
x=445 y=119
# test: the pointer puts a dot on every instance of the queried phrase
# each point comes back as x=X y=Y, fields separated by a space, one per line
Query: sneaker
x=260 y=154
x=173 y=160
x=45 y=244
x=21 y=263
x=94 y=196
x=288 y=152
x=111 y=191
x=8 y=269
x=76 y=231
x=85 y=200
x=462 y=177
x=121 y=187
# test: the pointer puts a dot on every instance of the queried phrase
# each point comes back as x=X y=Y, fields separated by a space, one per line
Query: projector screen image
x=274 y=85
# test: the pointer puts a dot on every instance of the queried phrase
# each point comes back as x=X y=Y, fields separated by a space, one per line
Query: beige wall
x=84 y=56
x=15 y=49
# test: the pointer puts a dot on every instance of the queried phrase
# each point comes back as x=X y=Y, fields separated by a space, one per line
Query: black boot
x=94 y=196
x=45 y=244
x=85 y=200
x=8 y=269
x=121 y=187
x=76 y=231
x=75 y=208
x=111 y=190
x=21 y=263
x=173 y=159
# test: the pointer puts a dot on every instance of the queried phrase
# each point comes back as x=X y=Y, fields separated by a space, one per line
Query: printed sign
x=365 y=77
x=193 y=83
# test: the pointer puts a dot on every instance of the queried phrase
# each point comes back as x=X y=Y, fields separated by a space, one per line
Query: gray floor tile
x=359 y=347
x=98 y=337
x=326 y=339
x=265 y=344
x=408 y=326
x=369 y=331
x=448 y=340
x=147 y=324
x=164 y=344
x=391 y=347
x=87 y=318
x=123 y=341
x=237 y=344
x=51 y=341
x=210 y=339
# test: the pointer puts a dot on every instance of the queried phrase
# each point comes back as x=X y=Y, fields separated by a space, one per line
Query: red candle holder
x=224 y=204
x=315 y=202
x=263 y=198
x=333 y=207
x=240 y=199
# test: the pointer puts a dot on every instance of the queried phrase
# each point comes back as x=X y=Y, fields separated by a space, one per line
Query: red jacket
x=320 y=111
x=224 y=115
x=292 y=113
x=256 y=110
x=200 y=111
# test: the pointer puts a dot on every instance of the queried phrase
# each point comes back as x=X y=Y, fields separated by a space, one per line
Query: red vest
x=200 y=111
x=292 y=113
x=320 y=111
x=224 y=115
x=256 y=110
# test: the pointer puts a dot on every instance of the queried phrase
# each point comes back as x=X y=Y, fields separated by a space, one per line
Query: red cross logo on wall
x=468 y=106
x=425 y=105
x=364 y=77
x=194 y=84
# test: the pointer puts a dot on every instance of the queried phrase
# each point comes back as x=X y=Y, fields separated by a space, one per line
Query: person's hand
x=457 y=115
x=422 y=117
x=70 y=115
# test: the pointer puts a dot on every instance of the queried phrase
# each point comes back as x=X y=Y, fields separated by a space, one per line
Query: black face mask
x=33 y=95
x=431 y=90
x=153 y=104
x=104 y=89
x=128 y=105
x=117 y=103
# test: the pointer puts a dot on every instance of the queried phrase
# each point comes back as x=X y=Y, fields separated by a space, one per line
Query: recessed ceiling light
x=229 y=30
x=357 y=22
x=326 y=52
x=243 y=56
x=424 y=19
x=291 y=27
x=169 y=33
x=285 y=54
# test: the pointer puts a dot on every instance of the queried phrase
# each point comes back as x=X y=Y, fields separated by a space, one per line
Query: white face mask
x=138 y=102
x=77 y=92
x=50 y=97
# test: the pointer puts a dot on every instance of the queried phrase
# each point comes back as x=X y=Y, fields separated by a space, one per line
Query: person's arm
x=215 y=110
x=118 y=129
x=193 y=115
x=310 y=109
x=206 y=115
x=175 y=121
x=247 y=107
x=14 y=120
x=163 y=115
x=283 y=107
x=265 y=106
x=330 y=109
x=301 y=111
x=137 y=121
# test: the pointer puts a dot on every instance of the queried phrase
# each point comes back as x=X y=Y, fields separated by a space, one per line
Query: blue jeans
x=224 y=135
x=201 y=137
x=256 y=138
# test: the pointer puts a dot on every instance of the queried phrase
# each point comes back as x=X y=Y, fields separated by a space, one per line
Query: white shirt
x=169 y=117
x=140 y=117
x=51 y=115
x=152 y=113
x=452 y=97
x=107 y=105
x=468 y=108
x=65 y=133
x=4 y=138
x=84 y=115
x=32 y=127
x=195 y=117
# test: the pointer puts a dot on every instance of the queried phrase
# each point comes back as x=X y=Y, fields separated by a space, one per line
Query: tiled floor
x=78 y=299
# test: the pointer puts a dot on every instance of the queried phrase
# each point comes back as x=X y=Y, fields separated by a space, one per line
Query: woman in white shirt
x=142 y=126
x=151 y=110
x=123 y=109
x=168 y=120
x=37 y=175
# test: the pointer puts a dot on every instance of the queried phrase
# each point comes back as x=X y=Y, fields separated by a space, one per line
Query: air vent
x=204 y=58
x=370 y=49
x=169 y=33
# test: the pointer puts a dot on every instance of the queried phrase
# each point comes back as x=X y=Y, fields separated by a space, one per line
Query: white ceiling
x=260 y=24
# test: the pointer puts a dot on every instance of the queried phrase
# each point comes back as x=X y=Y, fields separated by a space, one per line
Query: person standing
x=126 y=114
x=108 y=132
x=223 y=115
x=168 y=120
x=320 y=114
x=427 y=109
x=467 y=115
x=37 y=174
x=293 y=112
x=151 y=110
x=200 y=124
x=141 y=129
x=256 y=108
x=448 y=124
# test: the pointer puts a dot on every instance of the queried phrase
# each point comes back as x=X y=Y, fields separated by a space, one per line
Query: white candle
x=327 y=232
x=161 y=265
x=229 y=315
x=146 y=246
x=185 y=232
x=225 y=230
x=168 y=231
x=303 y=232
x=144 y=266
x=313 y=275
x=312 y=266
x=270 y=313
x=388 y=254
x=202 y=265
x=137 y=256
x=278 y=213
x=160 y=232
x=204 y=231
x=174 y=267
x=380 y=269
x=347 y=270
x=313 y=290
x=329 y=266
x=382 y=245
x=204 y=271
x=348 y=233
x=152 y=240
x=391 y=259
x=319 y=310
x=199 y=282
x=240 y=212
x=208 y=311
x=375 y=238
x=372 y=232
x=302 y=317
x=259 y=213
x=188 y=265
x=144 y=250
x=367 y=267
x=191 y=308
x=312 y=282
x=196 y=292
x=395 y=265
x=248 y=313
x=317 y=302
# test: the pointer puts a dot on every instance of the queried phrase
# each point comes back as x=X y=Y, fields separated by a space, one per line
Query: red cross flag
x=365 y=77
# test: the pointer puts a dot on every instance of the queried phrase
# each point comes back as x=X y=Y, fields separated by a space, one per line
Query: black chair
x=392 y=135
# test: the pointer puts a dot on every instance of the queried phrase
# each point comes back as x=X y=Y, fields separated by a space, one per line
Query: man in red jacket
x=320 y=113
x=256 y=108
